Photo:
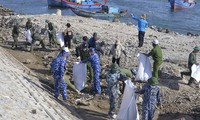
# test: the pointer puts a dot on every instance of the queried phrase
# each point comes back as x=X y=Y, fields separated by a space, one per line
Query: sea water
x=158 y=12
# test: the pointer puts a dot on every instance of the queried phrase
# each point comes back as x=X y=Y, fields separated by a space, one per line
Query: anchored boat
x=182 y=4
x=74 y=3
x=105 y=13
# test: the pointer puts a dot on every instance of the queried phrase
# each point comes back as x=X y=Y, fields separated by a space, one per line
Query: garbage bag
x=79 y=75
x=60 y=39
x=196 y=72
x=144 y=69
x=128 y=109
x=27 y=34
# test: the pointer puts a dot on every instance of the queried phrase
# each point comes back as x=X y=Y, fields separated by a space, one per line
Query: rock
x=27 y=61
x=159 y=29
x=81 y=102
x=34 y=111
x=116 y=20
x=45 y=57
x=167 y=31
x=59 y=12
x=190 y=34
x=183 y=117
x=80 y=21
x=153 y=27
x=129 y=24
x=45 y=63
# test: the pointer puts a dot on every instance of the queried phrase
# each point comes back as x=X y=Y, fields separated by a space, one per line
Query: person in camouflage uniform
x=15 y=34
x=112 y=79
x=52 y=32
x=58 y=69
x=83 y=52
x=95 y=63
x=191 y=60
x=151 y=98
x=29 y=24
x=36 y=37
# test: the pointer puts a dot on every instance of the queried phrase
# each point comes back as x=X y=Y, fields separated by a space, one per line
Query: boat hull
x=54 y=3
x=101 y=15
x=181 y=4
x=67 y=3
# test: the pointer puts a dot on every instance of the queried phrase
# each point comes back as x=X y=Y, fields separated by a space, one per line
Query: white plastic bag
x=144 y=69
x=128 y=109
x=79 y=75
x=196 y=72
x=60 y=38
x=27 y=34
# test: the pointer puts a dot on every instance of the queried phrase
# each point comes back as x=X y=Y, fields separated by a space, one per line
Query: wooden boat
x=74 y=3
x=181 y=4
x=99 y=14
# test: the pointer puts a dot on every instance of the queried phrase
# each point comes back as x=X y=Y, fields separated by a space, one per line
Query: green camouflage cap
x=153 y=81
x=114 y=66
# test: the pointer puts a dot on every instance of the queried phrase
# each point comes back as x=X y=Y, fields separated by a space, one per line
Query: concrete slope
x=23 y=97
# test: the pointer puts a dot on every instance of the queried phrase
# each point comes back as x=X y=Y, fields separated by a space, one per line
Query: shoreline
x=153 y=27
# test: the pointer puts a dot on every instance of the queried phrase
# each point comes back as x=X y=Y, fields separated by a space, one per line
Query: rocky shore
x=179 y=100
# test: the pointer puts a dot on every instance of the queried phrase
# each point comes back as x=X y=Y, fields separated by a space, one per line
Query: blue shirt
x=142 y=24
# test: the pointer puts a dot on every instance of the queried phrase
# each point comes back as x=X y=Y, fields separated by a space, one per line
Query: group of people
x=89 y=53
x=35 y=34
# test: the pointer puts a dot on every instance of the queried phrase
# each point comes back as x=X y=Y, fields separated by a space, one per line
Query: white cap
x=155 y=41
x=66 y=49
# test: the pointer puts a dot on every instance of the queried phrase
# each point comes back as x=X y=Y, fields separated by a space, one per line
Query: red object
x=105 y=1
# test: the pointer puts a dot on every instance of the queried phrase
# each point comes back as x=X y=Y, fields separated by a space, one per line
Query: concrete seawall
x=23 y=97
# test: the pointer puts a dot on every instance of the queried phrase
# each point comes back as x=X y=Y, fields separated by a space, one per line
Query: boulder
x=183 y=117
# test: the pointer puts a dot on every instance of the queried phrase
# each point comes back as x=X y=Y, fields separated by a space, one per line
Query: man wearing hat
x=36 y=37
x=116 y=51
x=142 y=24
x=191 y=60
x=15 y=34
x=156 y=54
x=112 y=78
x=58 y=69
x=83 y=52
x=95 y=63
x=52 y=32
x=151 y=98
x=68 y=35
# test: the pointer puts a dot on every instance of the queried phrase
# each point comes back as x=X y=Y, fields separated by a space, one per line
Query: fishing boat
x=106 y=13
x=75 y=3
x=182 y=4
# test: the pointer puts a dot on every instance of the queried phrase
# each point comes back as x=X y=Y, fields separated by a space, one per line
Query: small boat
x=85 y=4
x=181 y=4
x=109 y=13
